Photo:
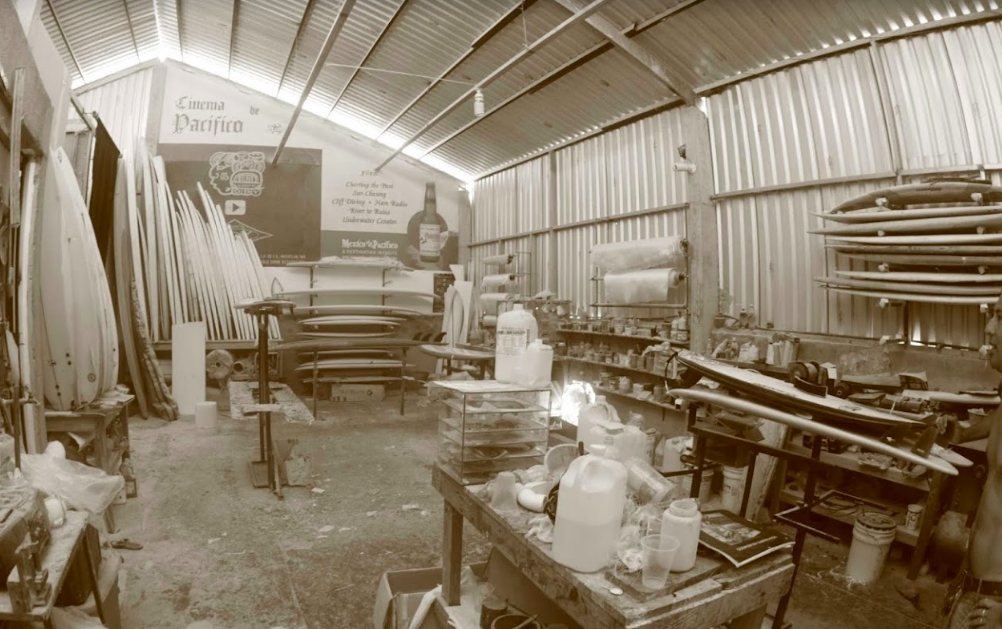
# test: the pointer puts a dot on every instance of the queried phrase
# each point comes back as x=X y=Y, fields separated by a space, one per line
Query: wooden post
x=701 y=229
x=452 y=554
x=552 y=277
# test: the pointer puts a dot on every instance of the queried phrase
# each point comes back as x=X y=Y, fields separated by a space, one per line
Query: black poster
x=278 y=206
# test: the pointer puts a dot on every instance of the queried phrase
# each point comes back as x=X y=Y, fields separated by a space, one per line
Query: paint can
x=624 y=385
x=205 y=418
x=871 y=539
x=913 y=517
x=638 y=389
x=732 y=489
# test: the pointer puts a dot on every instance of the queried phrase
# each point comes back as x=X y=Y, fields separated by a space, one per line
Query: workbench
x=95 y=418
x=735 y=595
x=57 y=558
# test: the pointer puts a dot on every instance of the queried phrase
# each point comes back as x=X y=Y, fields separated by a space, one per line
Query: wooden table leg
x=95 y=585
x=929 y=514
x=101 y=442
x=123 y=419
x=751 y=620
x=452 y=554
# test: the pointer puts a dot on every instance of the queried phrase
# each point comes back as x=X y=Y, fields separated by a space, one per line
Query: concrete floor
x=223 y=555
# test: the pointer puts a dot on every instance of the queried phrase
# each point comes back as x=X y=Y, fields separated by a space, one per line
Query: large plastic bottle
x=588 y=418
x=537 y=365
x=516 y=329
x=681 y=520
x=590 y=511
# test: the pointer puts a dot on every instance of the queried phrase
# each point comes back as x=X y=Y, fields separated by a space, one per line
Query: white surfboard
x=912 y=287
x=924 y=260
x=935 y=278
x=357 y=310
x=916 y=226
x=386 y=291
x=347 y=335
x=349 y=353
x=952 y=300
x=350 y=363
x=352 y=319
x=879 y=214
x=926 y=239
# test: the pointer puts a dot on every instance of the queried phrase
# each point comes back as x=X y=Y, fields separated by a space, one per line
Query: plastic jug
x=537 y=364
x=516 y=329
x=650 y=435
x=588 y=418
x=681 y=520
x=590 y=512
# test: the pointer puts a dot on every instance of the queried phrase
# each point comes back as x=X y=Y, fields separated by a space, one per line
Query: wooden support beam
x=365 y=59
x=307 y=13
x=555 y=32
x=643 y=55
x=318 y=67
x=233 y=37
x=62 y=33
x=703 y=281
x=13 y=187
x=492 y=30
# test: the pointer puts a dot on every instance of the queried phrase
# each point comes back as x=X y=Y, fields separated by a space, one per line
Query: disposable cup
x=658 y=554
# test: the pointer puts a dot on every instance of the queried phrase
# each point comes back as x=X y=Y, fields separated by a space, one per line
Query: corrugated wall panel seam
x=123 y=106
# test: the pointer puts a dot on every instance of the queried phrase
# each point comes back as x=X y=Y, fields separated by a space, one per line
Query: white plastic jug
x=516 y=329
x=588 y=418
x=681 y=520
x=537 y=364
x=589 y=513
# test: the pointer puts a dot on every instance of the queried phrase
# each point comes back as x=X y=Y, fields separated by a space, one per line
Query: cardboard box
x=357 y=392
x=400 y=592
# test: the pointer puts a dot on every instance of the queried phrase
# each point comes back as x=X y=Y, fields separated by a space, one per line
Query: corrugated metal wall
x=123 y=105
x=786 y=146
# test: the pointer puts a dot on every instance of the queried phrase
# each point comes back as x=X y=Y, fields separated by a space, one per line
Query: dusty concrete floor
x=234 y=557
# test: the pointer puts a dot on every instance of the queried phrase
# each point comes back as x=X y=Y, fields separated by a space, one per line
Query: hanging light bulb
x=478 y=103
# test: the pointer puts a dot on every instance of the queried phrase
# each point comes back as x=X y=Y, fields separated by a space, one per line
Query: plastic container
x=505 y=494
x=681 y=520
x=589 y=416
x=205 y=418
x=671 y=454
x=631 y=443
x=589 y=512
x=914 y=517
x=650 y=436
x=732 y=489
x=871 y=539
x=685 y=486
x=658 y=552
x=516 y=329
x=646 y=483
x=537 y=365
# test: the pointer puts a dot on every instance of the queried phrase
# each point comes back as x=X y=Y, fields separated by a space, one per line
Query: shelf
x=629 y=337
x=375 y=263
x=849 y=462
x=533 y=408
x=630 y=396
x=163 y=346
x=643 y=304
x=902 y=535
x=644 y=372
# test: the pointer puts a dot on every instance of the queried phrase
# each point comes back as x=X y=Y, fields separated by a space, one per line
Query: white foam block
x=188 y=366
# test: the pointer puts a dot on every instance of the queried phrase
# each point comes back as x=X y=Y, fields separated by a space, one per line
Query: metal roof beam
x=233 y=37
x=318 y=67
x=631 y=31
x=579 y=16
x=368 y=54
x=177 y=20
x=307 y=14
x=132 y=32
x=637 y=51
x=484 y=37
x=62 y=33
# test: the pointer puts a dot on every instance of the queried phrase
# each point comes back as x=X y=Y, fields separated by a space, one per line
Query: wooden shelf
x=644 y=372
x=902 y=535
x=630 y=396
x=165 y=346
x=849 y=461
x=629 y=337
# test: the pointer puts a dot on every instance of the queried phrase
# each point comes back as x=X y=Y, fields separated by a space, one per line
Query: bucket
x=205 y=418
x=510 y=621
x=704 y=486
x=732 y=488
x=871 y=539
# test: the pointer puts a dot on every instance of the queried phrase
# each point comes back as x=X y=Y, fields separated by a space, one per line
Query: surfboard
x=951 y=250
x=336 y=320
x=764 y=387
x=925 y=260
x=28 y=349
x=924 y=193
x=922 y=239
x=351 y=379
x=738 y=405
x=960 y=399
x=872 y=215
x=913 y=287
x=331 y=344
x=123 y=279
x=373 y=291
x=346 y=335
x=951 y=300
x=937 y=278
x=359 y=310
x=353 y=353
x=349 y=363
x=916 y=226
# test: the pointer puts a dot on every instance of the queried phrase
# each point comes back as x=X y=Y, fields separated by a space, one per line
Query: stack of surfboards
x=938 y=242
x=192 y=265
x=79 y=338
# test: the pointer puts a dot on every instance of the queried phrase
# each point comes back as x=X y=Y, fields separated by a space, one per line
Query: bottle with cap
x=682 y=520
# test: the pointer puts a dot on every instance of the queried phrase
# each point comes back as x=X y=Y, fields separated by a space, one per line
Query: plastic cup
x=658 y=554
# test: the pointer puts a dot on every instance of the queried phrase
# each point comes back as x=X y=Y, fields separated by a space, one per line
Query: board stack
x=938 y=242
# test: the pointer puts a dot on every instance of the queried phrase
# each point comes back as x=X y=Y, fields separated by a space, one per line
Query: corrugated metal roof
x=703 y=41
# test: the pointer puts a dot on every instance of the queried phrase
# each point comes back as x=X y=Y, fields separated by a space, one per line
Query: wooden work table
x=735 y=595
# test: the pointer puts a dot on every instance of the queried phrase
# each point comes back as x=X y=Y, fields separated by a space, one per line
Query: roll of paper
x=493 y=281
x=490 y=321
x=638 y=254
x=649 y=285
x=500 y=260
x=489 y=302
